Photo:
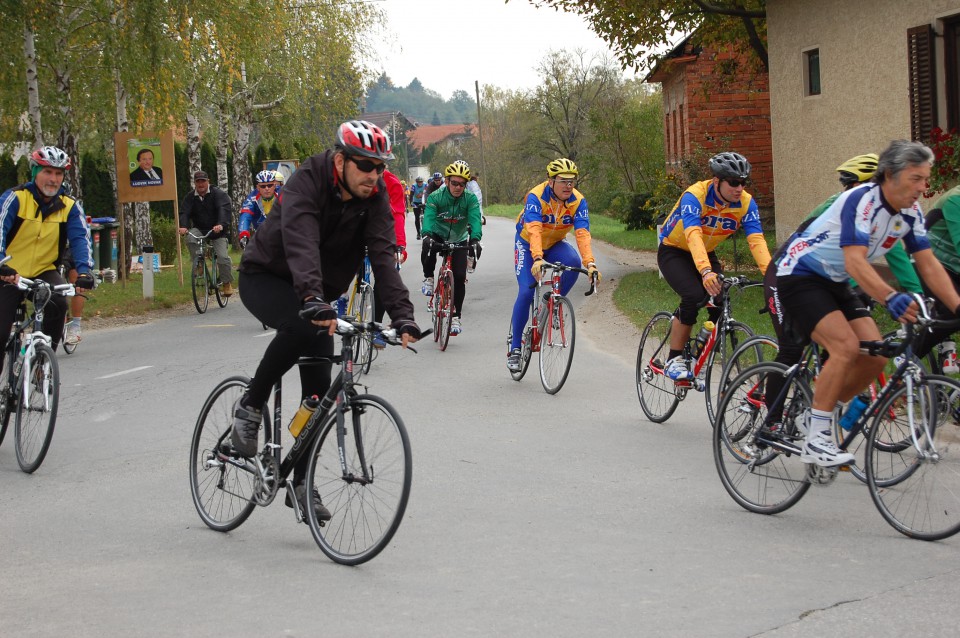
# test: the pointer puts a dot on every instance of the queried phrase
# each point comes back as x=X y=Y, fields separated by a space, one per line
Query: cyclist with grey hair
x=813 y=275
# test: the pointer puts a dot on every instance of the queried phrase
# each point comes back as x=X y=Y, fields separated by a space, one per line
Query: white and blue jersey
x=859 y=217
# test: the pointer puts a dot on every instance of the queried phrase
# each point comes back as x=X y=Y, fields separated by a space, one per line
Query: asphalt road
x=530 y=515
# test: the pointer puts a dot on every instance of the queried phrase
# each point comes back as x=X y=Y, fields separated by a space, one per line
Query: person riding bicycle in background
x=706 y=214
x=398 y=206
x=813 y=282
x=418 y=196
x=204 y=209
x=37 y=220
x=74 y=331
x=334 y=207
x=550 y=211
x=256 y=208
x=473 y=186
x=435 y=183
x=854 y=172
x=451 y=215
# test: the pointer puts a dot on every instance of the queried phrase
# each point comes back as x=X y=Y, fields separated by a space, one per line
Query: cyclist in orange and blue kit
x=707 y=213
x=550 y=211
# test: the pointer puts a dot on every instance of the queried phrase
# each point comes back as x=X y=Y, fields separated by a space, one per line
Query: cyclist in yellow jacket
x=37 y=219
x=707 y=213
x=550 y=211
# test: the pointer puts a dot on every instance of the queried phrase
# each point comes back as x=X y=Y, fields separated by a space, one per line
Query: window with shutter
x=922 y=74
x=951 y=58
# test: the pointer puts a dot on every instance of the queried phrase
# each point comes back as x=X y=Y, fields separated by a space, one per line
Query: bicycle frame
x=23 y=366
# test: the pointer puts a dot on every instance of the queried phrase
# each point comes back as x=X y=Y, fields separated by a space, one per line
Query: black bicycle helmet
x=730 y=166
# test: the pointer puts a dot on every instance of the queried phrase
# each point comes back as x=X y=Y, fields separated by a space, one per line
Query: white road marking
x=123 y=372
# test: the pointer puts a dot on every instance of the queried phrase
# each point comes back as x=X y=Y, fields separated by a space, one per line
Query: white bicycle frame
x=30 y=340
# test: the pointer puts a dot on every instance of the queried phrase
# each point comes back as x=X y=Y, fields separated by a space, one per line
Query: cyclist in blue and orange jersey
x=451 y=215
x=37 y=220
x=550 y=211
x=398 y=205
x=256 y=208
x=418 y=199
x=813 y=276
x=706 y=214
x=854 y=172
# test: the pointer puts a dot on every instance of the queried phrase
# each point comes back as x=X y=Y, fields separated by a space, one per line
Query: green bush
x=634 y=210
x=164 y=237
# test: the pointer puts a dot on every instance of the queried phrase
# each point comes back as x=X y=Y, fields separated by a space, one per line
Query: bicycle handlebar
x=898 y=342
x=195 y=236
x=27 y=285
x=594 y=276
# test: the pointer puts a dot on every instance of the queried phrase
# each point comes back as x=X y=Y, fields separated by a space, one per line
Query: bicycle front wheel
x=557 y=339
x=762 y=477
x=198 y=282
x=222 y=484
x=443 y=306
x=914 y=477
x=37 y=408
x=733 y=334
x=367 y=503
x=363 y=356
x=657 y=392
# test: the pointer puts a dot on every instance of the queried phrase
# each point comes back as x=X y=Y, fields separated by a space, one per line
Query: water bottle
x=948 y=354
x=854 y=409
x=703 y=336
x=342 y=305
x=307 y=408
x=471 y=263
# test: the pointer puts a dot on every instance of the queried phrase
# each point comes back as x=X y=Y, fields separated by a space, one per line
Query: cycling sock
x=820 y=420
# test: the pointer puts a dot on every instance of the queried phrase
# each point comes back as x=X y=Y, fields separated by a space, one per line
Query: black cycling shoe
x=323 y=514
x=246 y=426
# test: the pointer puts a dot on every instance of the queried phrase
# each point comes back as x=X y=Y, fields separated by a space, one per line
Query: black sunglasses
x=736 y=183
x=366 y=165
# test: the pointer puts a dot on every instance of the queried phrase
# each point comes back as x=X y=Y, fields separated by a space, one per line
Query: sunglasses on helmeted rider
x=366 y=165
x=736 y=183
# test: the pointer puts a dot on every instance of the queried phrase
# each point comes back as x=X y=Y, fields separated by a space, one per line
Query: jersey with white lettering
x=556 y=217
x=858 y=217
x=700 y=206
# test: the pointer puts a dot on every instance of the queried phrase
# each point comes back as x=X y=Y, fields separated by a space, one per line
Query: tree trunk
x=33 y=89
x=193 y=133
x=123 y=210
x=223 y=145
x=139 y=226
x=242 y=181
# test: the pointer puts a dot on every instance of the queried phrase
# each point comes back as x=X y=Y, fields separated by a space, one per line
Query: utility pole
x=483 y=166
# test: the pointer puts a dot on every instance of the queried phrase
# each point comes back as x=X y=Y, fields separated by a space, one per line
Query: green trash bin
x=108 y=245
x=95 y=240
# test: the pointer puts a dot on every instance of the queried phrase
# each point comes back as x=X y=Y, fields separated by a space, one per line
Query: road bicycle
x=441 y=302
x=359 y=460
x=659 y=394
x=911 y=463
x=552 y=328
x=359 y=307
x=30 y=377
x=205 y=275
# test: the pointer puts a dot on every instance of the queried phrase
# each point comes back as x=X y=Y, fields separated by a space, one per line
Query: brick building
x=715 y=101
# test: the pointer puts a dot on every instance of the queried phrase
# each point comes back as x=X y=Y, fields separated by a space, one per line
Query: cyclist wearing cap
x=550 y=211
x=813 y=282
x=334 y=207
x=706 y=214
x=418 y=197
x=451 y=215
x=206 y=209
x=37 y=220
x=855 y=171
x=257 y=206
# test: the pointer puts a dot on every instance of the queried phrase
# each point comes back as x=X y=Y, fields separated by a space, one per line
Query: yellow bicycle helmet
x=458 y=169
x=561 y=166
x=858 y=169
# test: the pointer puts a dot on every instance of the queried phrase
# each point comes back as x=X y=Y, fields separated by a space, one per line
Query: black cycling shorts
x=807 y=300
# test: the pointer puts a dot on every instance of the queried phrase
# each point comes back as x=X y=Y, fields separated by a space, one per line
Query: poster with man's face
x=146 y=163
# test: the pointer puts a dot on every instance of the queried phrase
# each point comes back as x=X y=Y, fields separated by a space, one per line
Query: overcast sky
x=501 y=43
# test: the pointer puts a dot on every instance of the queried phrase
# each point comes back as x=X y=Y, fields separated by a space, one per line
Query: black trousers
x=54 y=312
x=459 y=267
x=274 y=302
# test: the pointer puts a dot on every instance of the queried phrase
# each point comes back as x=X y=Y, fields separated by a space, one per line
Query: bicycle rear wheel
x=198 y=282
x=722 y=357
x=761 y=478
x=443 y=306
x=366 y=505
x=657 y=392
x=222 y=484
x=8 y=401
x=222 y=299
x=916 y=487
x=37 y=408
x=525 y=350
x=557 y=339
x=69 y=348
